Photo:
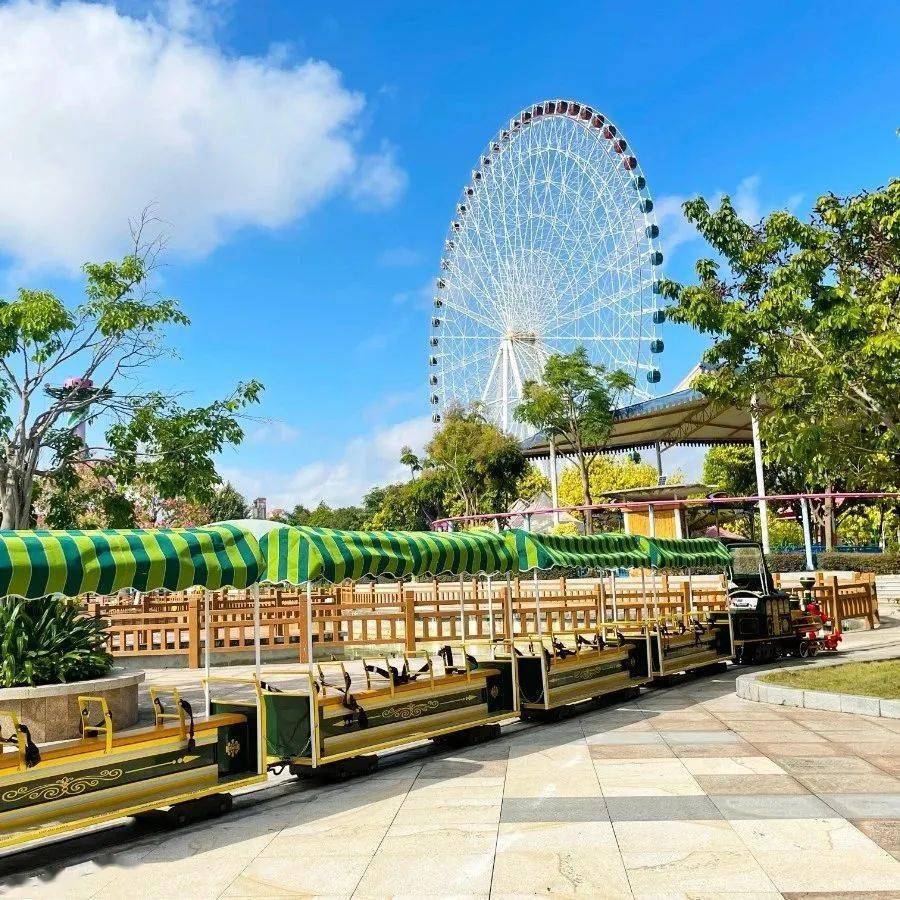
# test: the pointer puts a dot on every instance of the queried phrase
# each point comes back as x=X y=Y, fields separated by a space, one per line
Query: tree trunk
x=586 y=491
x=829 y=524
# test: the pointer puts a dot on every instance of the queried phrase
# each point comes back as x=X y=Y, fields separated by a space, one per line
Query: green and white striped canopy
x=299 y=554
x=689 y=553
x=37 y=563
x=593 y=551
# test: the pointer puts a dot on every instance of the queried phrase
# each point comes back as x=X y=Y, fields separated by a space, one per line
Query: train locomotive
x=769 y=623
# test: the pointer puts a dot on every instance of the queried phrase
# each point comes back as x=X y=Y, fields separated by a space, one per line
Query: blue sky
x=307 y=203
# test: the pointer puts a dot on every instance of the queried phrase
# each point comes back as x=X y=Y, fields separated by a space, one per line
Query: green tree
x=408 y=506
x=227 y=503
x=479 y=466
x=607 y=474
x=102 y=344
x=574 y=402
x=532 y=484
x=804 y=322
x=409 y=459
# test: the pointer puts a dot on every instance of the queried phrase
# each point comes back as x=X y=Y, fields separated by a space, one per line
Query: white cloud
x=274 y=432
x=675 y=230
x=379 y=181
x=103 y=114
x=746 y=200
x=367 y=461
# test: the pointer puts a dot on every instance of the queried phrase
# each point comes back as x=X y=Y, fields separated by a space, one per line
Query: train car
x=337 y=727
x=184 y=766
x=180 y=764
x=619 y=656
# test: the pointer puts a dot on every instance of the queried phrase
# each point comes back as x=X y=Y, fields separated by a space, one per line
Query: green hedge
x=787 y=562
x=879 y=563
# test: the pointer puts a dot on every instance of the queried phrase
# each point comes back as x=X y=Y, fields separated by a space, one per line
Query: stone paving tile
x=631 y=751
x=851 y=783
x=661 y=872
x=864 y=806
x=820 y=855
x=732 y=765
x=554 y=809
x=405 y=838
x=579 y=871
x=749 y=785
x=433 y=875
x=772 y=806
x=703 y=737
x=725 y=750
x=781 y=750
x=884 y=832
x=629 y=738
x=328 y=874
x=661 y=809
x=889 y=764
x=711 y=834
x=814 y=765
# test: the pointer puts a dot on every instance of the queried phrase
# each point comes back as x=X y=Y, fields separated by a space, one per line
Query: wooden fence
x=348 y=616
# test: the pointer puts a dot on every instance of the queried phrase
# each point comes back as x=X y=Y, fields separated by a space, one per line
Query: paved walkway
x=686 y=792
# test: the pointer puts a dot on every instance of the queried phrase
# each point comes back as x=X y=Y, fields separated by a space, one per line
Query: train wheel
x=813 y=648
x=803 y=651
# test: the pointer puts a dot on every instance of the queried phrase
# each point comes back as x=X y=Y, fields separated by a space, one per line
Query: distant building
x=259 y=508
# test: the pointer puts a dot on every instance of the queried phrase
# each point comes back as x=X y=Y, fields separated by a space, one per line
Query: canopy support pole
x=462 y=607
x=256 y=630
x=615 y=605
x=602 y=601
x=490 y=599
x=690 y=583
x=309 y=625
x=508 y=625
x=206 y=650
x=537 y=604
x=644 y=594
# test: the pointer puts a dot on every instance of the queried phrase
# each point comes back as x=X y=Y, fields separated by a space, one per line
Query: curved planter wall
x=51 y=710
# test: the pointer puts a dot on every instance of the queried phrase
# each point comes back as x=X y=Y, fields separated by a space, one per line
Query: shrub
x=49 y=642
x=879 y=563
x=787 y=562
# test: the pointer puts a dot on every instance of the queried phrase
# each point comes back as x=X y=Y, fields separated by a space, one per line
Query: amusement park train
x=343 y=714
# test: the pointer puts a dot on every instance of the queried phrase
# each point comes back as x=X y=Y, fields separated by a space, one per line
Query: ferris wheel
x=553 y=246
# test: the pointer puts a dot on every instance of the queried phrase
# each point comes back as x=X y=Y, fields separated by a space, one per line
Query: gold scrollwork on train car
x=67 y=786
x=232 y=748
x=413 y=710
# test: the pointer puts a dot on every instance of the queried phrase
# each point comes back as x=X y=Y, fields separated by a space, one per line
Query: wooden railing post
x=836 y=605
x=685 y=599
x=193 y=617
x=409 y=618
x=871 y=609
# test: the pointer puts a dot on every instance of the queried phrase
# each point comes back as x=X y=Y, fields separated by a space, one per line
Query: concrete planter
x=51 y=710
x=750 y=688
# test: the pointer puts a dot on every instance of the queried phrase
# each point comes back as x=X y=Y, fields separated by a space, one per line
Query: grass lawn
x=871 y=679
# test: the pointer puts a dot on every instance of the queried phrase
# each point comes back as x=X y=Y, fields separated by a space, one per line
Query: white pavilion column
x=760 y=479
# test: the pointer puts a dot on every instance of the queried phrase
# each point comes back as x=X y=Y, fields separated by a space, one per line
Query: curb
x=748 y=687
